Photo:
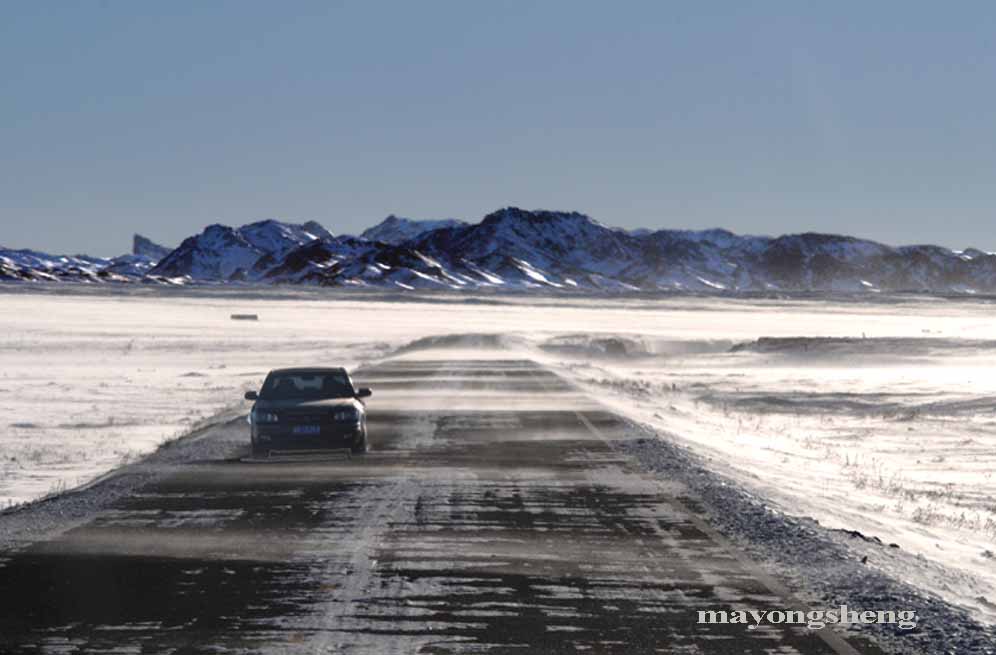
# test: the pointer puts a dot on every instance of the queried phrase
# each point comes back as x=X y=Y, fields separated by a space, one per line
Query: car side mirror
x=363 y=392
x=252 y=395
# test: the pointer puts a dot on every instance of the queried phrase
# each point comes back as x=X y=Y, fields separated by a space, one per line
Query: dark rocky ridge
x=516 y=249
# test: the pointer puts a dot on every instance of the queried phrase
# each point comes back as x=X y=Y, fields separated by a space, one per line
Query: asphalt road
x=492 y=516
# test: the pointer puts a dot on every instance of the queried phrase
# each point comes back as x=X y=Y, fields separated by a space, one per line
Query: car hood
x=325 y=403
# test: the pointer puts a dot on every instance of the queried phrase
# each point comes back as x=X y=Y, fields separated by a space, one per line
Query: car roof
x=308 y=369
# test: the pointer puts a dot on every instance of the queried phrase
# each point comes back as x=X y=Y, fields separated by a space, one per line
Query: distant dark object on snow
x=245 y=317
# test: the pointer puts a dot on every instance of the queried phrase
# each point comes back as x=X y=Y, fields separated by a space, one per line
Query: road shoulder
x=220 y=437
x=819 y=565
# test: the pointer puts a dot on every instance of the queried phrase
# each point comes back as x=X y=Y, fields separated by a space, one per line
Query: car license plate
x=307 y=429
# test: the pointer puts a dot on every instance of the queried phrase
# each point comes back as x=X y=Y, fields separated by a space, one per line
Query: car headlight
x=257 y=416
x=347 y=414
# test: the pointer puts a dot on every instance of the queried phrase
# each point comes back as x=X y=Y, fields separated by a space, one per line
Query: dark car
x=308 y=409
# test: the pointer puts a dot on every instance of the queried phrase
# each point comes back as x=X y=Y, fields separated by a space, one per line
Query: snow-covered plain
x=898 y=447
x=882 y=419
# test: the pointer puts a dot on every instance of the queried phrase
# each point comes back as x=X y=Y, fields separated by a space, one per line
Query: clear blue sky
x=876 y=119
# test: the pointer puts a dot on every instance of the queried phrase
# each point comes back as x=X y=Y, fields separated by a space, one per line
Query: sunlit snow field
x=889 y=429
x=902 y=448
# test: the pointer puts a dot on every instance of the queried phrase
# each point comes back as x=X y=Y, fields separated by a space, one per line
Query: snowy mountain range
x=396 y=230
x=148 y=248
x=30 y=265
x=515 y=249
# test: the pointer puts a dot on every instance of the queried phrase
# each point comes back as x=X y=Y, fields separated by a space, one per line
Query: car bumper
x=283 y=438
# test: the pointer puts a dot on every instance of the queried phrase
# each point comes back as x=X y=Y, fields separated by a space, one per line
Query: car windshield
x=307 y=386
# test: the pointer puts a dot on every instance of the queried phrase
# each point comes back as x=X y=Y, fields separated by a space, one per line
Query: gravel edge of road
x=815 y=562
x=47 y=518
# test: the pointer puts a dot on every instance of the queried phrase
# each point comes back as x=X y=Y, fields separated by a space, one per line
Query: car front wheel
x=360 y=445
